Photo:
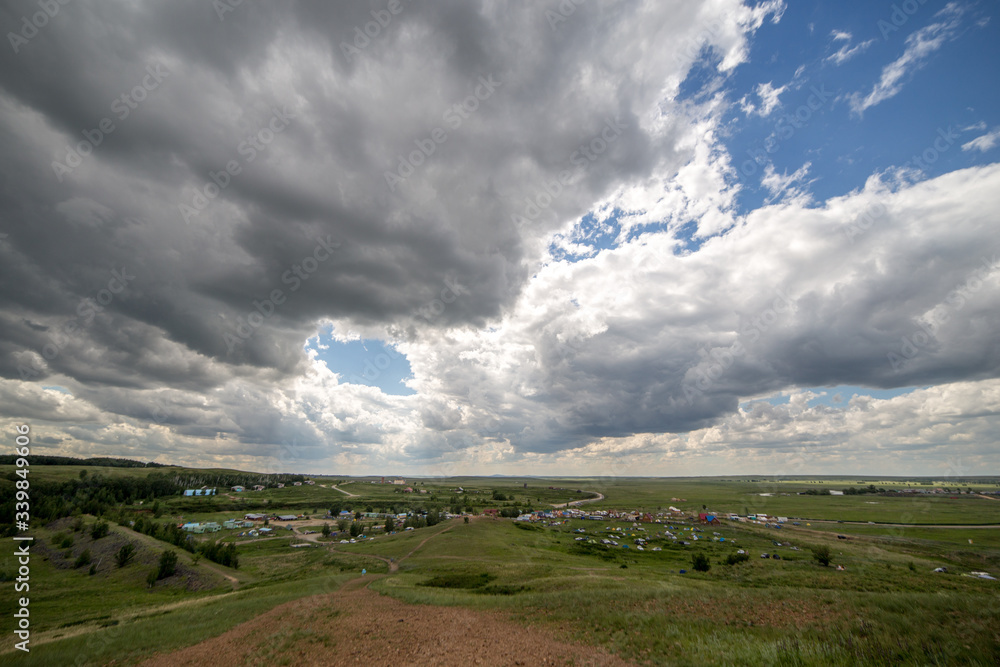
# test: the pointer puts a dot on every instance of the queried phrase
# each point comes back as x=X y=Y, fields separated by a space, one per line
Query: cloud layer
x=191 y=196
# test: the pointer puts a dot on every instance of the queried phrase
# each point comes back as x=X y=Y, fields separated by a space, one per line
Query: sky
x=460 y=237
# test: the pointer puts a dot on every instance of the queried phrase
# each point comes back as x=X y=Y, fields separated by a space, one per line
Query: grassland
x=886 y=607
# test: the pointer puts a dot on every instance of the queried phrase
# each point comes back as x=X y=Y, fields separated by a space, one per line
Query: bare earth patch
x=356 y=626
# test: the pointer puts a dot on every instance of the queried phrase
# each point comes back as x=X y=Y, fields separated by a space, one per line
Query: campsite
x=647 y=571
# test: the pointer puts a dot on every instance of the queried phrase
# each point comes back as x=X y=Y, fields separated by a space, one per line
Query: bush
x=83 y=559
x=822 y=555
x=66 y=542
x=733 y=559
x=168 y=563
x=326 y=528
x=99 y=530
x=93 y=570
x=125 y=554
x=699 y=562
x=151 y=578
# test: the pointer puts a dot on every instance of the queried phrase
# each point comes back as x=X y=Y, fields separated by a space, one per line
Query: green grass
x=792 y=611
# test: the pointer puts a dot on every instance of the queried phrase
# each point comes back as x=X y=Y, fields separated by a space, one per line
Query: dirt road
x=600 y=496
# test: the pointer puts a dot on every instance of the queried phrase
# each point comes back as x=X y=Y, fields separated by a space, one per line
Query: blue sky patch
x=368 y=361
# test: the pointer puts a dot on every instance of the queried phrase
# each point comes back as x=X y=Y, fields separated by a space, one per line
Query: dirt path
x=352 y=495
x=356 y=626
x=600 y=496
x=393 y=563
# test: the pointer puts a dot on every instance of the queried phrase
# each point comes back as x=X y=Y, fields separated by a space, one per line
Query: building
x=399 y=481
x=258 y=487
x=280 y=485
x=286 y=517
x=296 y=483
x=254 y=517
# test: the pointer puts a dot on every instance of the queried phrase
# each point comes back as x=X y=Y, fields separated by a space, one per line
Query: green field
x=886 y=607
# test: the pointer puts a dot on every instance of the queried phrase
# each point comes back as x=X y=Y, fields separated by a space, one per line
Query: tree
x=125 y=554
x=390 y=525
x=343 y=524
x=822 y=555
x=326 y=530
x=355 y=530
x=157 y=510
x=699 y=562
x=168 y=563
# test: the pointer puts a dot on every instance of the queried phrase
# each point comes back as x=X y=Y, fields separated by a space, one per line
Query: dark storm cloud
x=180 y=90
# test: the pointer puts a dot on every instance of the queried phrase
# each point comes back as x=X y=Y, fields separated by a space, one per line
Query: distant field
x=886 y=607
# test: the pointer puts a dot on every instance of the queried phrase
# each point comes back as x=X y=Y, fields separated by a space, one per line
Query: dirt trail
x=335 y=487
x=393 y=563
x=600 y=496
x=356 y=626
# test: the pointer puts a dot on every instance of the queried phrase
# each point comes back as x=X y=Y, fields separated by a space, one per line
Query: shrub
x=459 y=580
x=99 y=530
x=66 y=542
x=93 y=570
x=822 y=555
x=733 y=559
x=168 y=563
x=699 y=562
x=151 y=578
x=125 y=554
x=83 y=559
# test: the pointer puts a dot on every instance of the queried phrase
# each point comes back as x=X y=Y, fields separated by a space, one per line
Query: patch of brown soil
x=356 y=626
